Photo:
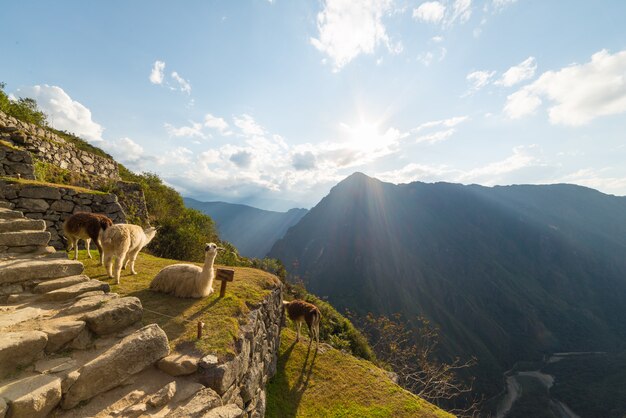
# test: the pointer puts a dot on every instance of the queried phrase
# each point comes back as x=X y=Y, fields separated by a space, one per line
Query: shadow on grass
x=287 y=399
x=159 y=308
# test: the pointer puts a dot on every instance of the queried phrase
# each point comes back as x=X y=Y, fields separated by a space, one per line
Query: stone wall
x=241 y=380
x=16 y=163
x=55 y=204
x=50 y=147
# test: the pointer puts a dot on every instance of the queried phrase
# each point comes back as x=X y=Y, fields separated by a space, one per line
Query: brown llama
x=300 y=311
x=85 y=226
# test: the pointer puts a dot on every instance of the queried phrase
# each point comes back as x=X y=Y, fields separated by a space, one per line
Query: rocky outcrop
x=50 y=147
x=55 y=204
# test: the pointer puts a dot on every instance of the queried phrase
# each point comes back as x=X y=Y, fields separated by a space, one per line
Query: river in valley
x=514 y=387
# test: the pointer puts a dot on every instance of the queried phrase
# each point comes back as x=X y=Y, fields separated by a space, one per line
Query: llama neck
x=207 y=270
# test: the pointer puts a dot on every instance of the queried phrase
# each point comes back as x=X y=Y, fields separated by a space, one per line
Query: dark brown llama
x=300 y=311
x=85 y=226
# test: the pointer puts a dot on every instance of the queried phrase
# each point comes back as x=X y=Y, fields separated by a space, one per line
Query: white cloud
x=193 y=130
x=578 y=93
x=461 y=12
x=498 y=172
x=437 y=38
x=448 y=123
x=217 y=123
x=603 y=179
x=430 y=11
x=183 y=85
x=522 y=157
x=248 y=125
x=157 y=73
x=518 y=73
x=179 y=155
x=456 y=11
x=521 y=103
x=437 y=130
x=479 y=79
x=63 y=112
x=350 y=28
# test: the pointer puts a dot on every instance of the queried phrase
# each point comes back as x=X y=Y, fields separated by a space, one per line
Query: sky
x=271 y=103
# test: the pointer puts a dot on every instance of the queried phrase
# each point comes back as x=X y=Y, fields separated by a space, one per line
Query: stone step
x=22 y=224
x=47 y=253
x=33 y=396
x=19 y=349
x=61 y=332
x=24 y=238
x=6 y=205
x=24 y=269
x=50 y=285
x=72 y=291
x=116 y=315
x=10 y=214
x=27 y=249
x=19 y=315
x=131 y=355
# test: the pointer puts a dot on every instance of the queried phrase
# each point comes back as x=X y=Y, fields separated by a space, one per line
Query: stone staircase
x=71 y=348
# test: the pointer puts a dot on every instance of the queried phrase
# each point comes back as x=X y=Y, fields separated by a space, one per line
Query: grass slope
x=178 y=317
x=329 y=383
x=13 y=180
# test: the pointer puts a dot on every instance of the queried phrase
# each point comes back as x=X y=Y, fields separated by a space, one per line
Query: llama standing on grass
x=123 y=242
x=188 y=280
x=300 y=311
x=85 y=226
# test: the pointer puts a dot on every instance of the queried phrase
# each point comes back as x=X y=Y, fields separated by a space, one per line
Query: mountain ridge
x=507 y=273
x=252 y=230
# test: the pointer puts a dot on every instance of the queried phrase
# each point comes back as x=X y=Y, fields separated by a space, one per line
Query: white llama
x=188 y=280
x=123 y=242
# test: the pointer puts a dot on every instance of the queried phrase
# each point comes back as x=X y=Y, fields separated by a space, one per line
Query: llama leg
x=87 y=242
x=100 y=252
x=298 y=325
x=75 y=245
x=118 y=269
x=108 y=263
x=133 y=258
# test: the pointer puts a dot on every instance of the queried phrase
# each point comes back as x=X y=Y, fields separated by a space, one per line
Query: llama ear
x=221 y=248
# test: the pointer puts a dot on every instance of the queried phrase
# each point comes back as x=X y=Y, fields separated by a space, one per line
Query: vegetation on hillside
x=24 y=109
x=328 y=383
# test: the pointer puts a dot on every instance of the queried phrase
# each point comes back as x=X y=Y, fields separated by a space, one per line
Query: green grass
x=13 y=180
x=179 y=317
x=329 y=383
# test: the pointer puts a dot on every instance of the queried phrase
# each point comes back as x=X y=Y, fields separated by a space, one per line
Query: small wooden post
x=225 y=276
x=200 y=327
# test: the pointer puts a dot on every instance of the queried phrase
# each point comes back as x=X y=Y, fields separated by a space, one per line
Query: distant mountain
x=507 y=273
x=253 y=231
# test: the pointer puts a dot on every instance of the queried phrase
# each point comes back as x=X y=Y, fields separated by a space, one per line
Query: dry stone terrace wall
x=55 y=204
x=242 y=379
x=16 y=163
x=51 y=148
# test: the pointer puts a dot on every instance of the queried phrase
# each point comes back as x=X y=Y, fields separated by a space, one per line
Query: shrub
x=24 y=109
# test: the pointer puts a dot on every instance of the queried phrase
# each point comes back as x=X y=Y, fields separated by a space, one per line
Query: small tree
x=410 y=350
